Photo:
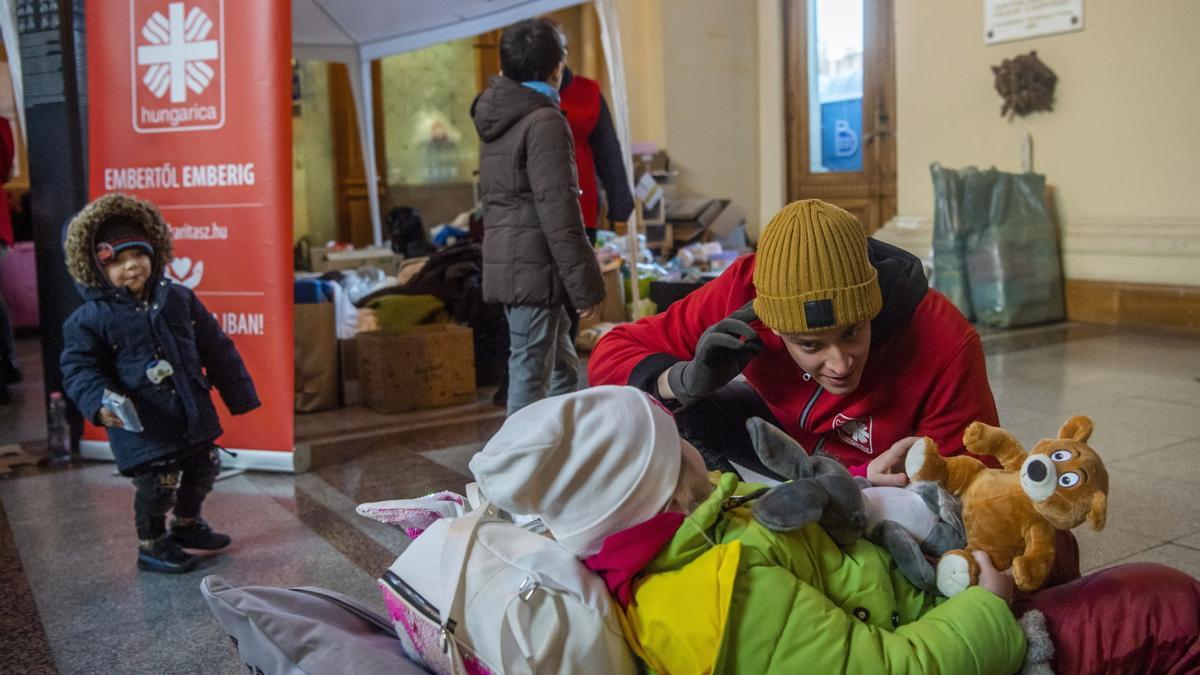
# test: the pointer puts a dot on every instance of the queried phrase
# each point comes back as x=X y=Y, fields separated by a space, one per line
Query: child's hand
x=1000 y=583
x=109 y=419
x=888 y=468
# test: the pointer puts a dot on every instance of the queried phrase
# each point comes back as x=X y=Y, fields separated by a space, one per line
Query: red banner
x=189 y=107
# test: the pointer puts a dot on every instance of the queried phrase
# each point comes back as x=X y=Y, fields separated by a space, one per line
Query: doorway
x=841 y=105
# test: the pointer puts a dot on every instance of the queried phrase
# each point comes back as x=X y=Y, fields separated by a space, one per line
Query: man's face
x=835 y=359
x=130 y=269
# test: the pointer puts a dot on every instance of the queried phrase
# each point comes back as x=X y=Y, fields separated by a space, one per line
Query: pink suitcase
x=18 y=285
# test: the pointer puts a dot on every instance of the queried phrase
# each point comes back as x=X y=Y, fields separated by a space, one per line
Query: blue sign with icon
x=841 y=121
x=841 y=135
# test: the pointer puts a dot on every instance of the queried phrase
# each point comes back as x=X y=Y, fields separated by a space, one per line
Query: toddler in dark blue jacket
x=140 y=336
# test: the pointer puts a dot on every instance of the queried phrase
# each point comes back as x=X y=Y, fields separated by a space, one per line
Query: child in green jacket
x=703 y=587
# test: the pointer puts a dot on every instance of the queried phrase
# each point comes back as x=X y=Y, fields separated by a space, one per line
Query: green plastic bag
x=1012 y=256
x=949 y=239
x=1009 y=270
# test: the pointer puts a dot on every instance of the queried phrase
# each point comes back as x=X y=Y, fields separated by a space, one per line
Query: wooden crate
x=424 y=367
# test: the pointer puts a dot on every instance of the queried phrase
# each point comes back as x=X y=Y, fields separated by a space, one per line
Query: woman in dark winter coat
x=140 y=336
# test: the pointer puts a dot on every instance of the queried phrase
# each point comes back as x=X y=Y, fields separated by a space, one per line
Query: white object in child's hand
x=904 y=507
x=123 y=408
x=159 y=370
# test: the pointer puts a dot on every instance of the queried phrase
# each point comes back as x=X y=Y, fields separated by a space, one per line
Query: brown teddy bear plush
x=1012 y=513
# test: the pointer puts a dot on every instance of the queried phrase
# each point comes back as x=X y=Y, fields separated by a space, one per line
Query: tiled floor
x=73 y=601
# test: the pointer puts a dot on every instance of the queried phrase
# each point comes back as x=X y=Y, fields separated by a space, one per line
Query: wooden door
x=350 y=183
x=487 y=57
x=841 y=105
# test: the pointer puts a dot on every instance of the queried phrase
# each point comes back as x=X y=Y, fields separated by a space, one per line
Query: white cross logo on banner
x=177 y=52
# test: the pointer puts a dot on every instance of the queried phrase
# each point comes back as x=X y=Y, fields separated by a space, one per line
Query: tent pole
x=610 y=38
x=8 y=33
x=363 y=91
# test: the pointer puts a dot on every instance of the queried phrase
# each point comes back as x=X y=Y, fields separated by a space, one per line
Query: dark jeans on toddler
x=181 y=482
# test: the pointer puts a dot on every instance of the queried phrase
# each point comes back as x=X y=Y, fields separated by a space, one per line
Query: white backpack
x=477 y=594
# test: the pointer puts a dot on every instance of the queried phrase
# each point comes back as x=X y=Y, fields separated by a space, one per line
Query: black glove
x=721 y=353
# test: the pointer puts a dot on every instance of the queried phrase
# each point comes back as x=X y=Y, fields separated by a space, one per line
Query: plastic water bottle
x=59 y=439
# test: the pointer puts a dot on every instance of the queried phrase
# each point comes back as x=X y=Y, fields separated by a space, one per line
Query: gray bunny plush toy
x=910 y=523
x=819 y=489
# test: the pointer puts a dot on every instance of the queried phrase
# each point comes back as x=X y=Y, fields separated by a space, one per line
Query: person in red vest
x=598 y=156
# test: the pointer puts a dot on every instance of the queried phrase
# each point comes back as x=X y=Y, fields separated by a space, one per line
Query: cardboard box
x=614 y=293
x=660 y=238
x=650 y=207
x=693 y=211
x=424 y=367
x=324 y=260
x=351 y=389
x=656 y=162
x=316 y=358
x=613 y=308
x=729 y=229
x=719 y=220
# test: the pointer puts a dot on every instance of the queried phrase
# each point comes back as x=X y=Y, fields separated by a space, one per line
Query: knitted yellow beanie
x=811 y=273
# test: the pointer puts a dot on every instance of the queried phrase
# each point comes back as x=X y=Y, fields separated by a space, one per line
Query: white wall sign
x=1006 y=20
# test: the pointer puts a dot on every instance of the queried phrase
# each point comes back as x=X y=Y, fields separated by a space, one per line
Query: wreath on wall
x=1026 y=85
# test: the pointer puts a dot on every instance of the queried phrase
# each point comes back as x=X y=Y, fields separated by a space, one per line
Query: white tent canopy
x=346 y=31
x=356 y=32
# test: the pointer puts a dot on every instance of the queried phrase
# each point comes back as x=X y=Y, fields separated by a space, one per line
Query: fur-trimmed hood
x=81 y=234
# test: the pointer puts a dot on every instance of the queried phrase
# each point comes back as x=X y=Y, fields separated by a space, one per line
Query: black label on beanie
x=818 y=313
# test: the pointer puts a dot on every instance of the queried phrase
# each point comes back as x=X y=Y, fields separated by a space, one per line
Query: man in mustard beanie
x=841 y=341
x=845 y=348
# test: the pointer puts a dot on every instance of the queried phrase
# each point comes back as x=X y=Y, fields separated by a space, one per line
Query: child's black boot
x=9 y=374
x=195 y=533
x=164 y=555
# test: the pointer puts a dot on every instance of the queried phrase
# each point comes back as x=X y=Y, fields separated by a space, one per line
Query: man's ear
x=1078 y=428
